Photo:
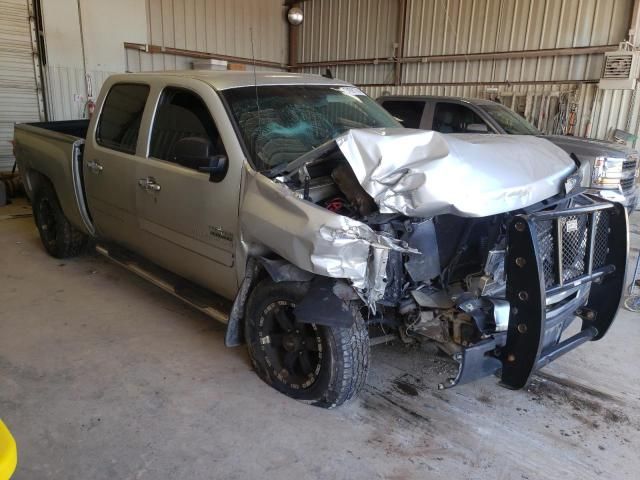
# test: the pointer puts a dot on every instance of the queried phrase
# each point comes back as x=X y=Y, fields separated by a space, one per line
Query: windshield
x=510 y=121
x=280 y=123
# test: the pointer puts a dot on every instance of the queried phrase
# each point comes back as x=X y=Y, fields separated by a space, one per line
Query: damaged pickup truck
x=299 y=212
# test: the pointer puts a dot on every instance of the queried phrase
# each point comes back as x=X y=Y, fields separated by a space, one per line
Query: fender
x=279 y=270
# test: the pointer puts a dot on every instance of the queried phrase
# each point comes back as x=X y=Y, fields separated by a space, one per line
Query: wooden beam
x=478 y=84
x=467 y=57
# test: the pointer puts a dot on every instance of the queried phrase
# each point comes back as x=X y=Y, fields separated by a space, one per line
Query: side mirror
x=217 y=168
x=477 y=128
x=198 y=153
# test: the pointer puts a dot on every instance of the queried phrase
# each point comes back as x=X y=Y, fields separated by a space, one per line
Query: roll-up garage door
x=19 y=96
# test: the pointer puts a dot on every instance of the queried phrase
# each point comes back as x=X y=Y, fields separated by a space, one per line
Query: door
x=20 y=96
x=187 y=218
x=109 y=167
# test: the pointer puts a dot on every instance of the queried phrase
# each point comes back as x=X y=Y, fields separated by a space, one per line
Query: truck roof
x=224 y=79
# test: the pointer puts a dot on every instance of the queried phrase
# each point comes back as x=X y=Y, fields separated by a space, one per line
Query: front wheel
x=325 y=366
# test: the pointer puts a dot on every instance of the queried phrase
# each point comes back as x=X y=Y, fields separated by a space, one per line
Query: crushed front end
x=499 y=293
x=478 y=246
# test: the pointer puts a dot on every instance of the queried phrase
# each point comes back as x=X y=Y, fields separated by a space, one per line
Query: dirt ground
x=103 y=376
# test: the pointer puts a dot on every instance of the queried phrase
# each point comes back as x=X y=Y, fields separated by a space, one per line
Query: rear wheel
x=322 y=365
x=59 y=237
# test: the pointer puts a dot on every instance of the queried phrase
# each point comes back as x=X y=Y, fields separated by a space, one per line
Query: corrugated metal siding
x=217 y=26
x=481 y=26
x=19 y=100
x=344 y=29
x=615 y=109
x=63 y=84
x=354 y=29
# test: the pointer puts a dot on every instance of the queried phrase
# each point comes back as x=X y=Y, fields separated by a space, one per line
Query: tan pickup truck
x=298 y=211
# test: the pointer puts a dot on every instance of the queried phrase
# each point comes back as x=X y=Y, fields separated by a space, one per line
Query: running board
x=207 y=302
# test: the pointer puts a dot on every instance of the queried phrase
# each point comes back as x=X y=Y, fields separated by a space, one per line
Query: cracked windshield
x=280 y=123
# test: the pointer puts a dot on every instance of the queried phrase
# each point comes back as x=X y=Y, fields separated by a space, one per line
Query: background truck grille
x=629 y=163
x=574 y=231
x=627 y=183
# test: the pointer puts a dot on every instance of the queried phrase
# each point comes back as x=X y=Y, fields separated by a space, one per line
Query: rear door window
x=408 y=112
x=119 y=123
x=456 y=118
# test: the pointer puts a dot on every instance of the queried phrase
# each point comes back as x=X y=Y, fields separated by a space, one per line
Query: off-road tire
x=342 y=368
x=59 y=238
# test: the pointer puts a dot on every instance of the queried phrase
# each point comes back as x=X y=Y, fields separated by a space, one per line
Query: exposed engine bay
x=458 y=262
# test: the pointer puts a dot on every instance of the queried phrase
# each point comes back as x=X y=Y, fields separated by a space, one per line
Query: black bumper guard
x=577 y=251
x=554 y=252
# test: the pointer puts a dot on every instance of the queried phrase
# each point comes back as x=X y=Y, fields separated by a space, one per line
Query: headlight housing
x=607 y=172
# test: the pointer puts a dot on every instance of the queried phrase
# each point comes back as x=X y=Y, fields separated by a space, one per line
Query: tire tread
x=349 y=347
x=69 y=240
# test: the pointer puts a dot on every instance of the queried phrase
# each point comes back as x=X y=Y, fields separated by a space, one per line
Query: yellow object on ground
x=8 y=453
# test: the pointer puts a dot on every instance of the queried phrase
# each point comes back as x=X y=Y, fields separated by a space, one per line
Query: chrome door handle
x=149 y=184
x=94 y=166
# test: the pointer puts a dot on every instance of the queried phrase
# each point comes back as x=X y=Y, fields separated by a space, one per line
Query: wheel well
x=34 y=180
x=322 y=292
x=257 y=269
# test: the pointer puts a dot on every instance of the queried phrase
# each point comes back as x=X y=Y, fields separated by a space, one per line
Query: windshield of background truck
x=510 y=121
x=278 y=124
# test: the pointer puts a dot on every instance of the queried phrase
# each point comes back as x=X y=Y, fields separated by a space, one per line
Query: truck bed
x=53 y=151
x=74 y=128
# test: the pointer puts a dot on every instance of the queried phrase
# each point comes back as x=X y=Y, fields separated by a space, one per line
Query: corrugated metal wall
x=67 y=93
x=213 y=26
x=367 y=29
x=462 y=26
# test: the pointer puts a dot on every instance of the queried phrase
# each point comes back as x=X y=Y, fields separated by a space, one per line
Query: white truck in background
x=610 y=168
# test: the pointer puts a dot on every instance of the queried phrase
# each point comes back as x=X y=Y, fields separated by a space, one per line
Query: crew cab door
x=109 y=162
x=187 y=219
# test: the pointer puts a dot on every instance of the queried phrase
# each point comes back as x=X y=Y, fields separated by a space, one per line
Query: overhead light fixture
x=295 y=16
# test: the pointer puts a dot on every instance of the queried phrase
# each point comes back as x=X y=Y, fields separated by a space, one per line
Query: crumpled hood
x=424 y=173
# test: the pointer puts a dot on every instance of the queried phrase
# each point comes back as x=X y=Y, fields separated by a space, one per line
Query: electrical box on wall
x=621 y=68
x=209 y=64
